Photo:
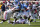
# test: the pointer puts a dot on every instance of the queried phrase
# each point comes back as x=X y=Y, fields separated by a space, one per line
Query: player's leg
x=15 y=17
x=34 y=17
x=25 y=17
x=4 y=17
x=39 y=15
x=28 y=17
x=2 y=12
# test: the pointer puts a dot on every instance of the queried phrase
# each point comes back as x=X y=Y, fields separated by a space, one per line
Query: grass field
x=33 y=24
x=5 y=24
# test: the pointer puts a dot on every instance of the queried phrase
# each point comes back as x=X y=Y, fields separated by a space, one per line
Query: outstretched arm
x=13 y=9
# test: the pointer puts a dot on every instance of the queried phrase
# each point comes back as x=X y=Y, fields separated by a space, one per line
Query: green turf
x=5 y=24
x=33 y=24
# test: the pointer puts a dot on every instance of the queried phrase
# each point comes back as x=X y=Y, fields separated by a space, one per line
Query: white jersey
x=20 y=20
x=34 y=6
x=9 y=11
x=7 y=14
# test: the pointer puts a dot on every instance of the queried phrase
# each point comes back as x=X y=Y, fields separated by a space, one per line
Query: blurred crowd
x=12 y=3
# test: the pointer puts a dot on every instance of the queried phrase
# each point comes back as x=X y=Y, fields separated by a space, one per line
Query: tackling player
x=7 y=14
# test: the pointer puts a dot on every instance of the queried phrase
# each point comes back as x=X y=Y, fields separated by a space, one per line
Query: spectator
x=3 y=9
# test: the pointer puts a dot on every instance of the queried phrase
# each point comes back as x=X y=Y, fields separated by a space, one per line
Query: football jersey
x=28 y=9
x=15 y=3
x=21 y=20
x=22 y=6
x=18 y=8
x=25 y=6
x=9 y=11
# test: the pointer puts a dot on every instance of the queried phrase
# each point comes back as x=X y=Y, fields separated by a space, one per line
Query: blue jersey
x=28 y=11
x=18 y=8
x=25 y=6
x=15 y=4
x=16 y=0
x=22 y=6
x=19 y=3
